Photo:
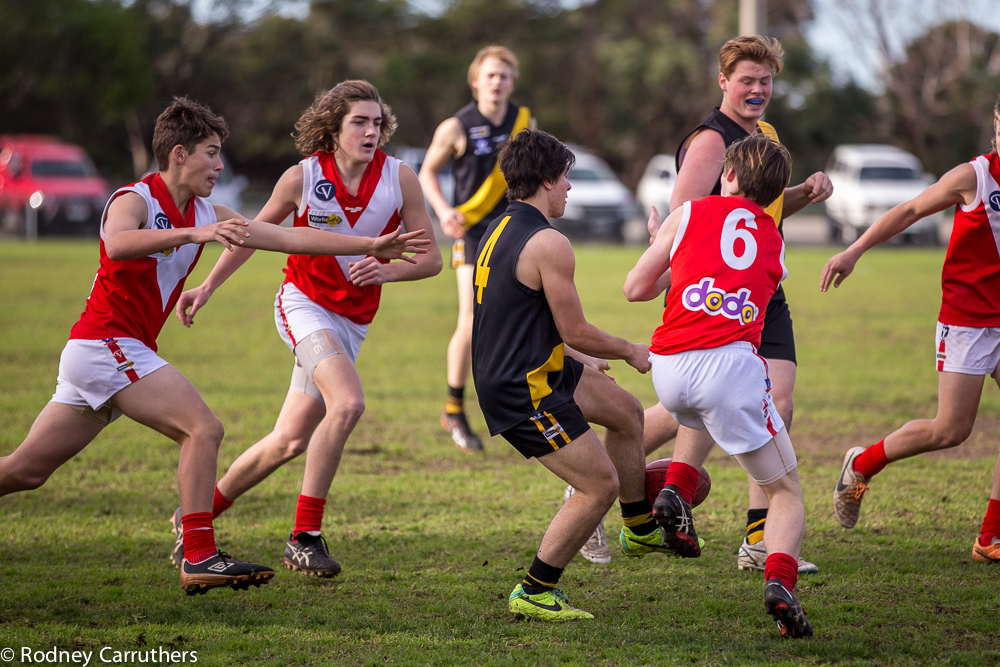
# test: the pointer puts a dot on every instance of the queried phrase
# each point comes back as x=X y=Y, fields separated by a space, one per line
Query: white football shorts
x=724 y=389
x=967 y=350
x=313 y=333
x=92 y=371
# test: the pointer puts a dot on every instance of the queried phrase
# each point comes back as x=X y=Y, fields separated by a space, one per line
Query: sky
x=838 y=35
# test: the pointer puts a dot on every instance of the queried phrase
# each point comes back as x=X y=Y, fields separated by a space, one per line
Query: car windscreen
x=590 y=174
x=61 y=169
x=888 y=174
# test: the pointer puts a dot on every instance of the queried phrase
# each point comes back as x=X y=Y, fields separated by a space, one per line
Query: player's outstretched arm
x=650 y=276
x=547 y=261
x=815 y=189
x=956 y=187
x=370 y=271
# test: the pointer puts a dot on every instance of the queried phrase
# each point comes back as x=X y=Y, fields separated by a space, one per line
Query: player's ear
x=178 y=153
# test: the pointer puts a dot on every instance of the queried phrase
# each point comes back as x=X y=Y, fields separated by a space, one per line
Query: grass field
x=432 y=540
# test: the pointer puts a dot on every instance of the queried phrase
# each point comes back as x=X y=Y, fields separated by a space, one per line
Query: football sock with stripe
x=756 y=518
x=638 y=516
x=991 y=523
x=309 y=514
x=541 y=577
x=199 y=536
x=455 y=405
x=872 y=460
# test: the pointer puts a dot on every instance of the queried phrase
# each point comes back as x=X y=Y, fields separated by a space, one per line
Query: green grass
x=432 y=541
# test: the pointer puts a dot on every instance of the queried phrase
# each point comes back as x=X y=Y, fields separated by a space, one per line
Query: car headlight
x=36 y=199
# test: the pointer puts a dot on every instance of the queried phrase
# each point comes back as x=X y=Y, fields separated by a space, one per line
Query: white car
x=868 y=180
x=656 y=186
x=597 y=202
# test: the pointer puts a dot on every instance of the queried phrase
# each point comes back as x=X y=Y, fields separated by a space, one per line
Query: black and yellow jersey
x=518 y=361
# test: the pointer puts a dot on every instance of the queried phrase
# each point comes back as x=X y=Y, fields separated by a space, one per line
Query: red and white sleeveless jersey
x=970 y=279
x=327 y=205
x=725 y=264
x=133 y=298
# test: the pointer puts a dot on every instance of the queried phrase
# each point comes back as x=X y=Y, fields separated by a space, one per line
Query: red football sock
x=308 y=514
x=199 y=536
x=220 y=503
x=684 y=477
x=783 y=567
x=872 y=460
x=991 y=523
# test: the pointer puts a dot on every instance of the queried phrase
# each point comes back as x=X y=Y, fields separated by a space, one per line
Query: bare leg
x=299 y=417
x=958 y=403
x=782 y=375
x=584 y=465
x=460 y=346
x=603 y=402
x=58 y=434
x=660 y=428
x=786 y=522
x=340 y=386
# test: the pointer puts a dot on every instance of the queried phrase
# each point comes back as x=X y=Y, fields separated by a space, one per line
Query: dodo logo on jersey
x=325 y=190
x=995 y=200
x=705 y=296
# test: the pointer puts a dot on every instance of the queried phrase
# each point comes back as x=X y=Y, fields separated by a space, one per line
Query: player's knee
x=211 y=431
x=347 y=410
x=785 y=405
x=22 y=479
x=291 y=446
x=951 y=435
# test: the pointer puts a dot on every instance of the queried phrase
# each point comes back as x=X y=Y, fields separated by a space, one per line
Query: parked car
x=52 y=182
x=229 y=187
x=657 y=185
x=413 y=156
x=868 y=180
x=597 y=202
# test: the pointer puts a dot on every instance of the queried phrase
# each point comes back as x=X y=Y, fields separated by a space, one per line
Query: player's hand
x=639 y=358
x=837 y=269
x=226 y=232
x=368 y=271
x=653 y=224
x=395 y=244
x=453 y=223
x=818 y=187
x=189 y=303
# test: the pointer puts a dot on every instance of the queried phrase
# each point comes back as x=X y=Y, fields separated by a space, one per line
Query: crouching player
x=540 y=394
x=151 y=238
x=726 y=258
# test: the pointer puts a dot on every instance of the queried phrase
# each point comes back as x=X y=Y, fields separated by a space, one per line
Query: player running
x=967 y=337
x=471 y=139
x=151 y=236
x=322 y=310
x=538 y=385
x=726 y=259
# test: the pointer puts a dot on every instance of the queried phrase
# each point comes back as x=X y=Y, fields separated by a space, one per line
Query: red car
x=53 y=181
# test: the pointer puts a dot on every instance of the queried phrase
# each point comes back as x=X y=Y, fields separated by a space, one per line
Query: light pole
x=753 y=17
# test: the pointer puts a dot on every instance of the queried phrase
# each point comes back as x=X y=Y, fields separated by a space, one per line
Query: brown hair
x=766 y=50
x=996 y=113
x=501 y=53
x=319 y=125
x=185 y=123
x=530 y=158
x=763 y=167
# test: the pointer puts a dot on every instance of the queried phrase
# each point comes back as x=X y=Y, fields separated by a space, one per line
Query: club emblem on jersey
x=482 y=147
x=320 y=218
x=161 y=221
x=325 y=190
x=703 y=295
x=995 y=200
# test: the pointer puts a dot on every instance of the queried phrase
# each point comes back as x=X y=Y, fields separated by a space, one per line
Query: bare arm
x=813 y=190
x=956 y=187
x=370 y=271
x=701 y=169
x=448 y=143
x=547 y=263
x=649 y=277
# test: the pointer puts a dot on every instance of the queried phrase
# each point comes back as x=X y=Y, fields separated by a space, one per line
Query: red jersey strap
x=162 y=194
x=353 y=205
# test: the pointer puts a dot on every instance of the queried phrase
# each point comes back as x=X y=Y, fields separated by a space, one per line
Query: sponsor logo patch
x=704 y=296
x=479 y=132
x=324 y=218
x=995 y=200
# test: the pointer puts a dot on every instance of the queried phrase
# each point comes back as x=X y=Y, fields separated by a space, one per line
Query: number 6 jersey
x=727 y=260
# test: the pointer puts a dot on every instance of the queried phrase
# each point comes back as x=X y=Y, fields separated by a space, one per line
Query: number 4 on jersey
x=483 y=261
